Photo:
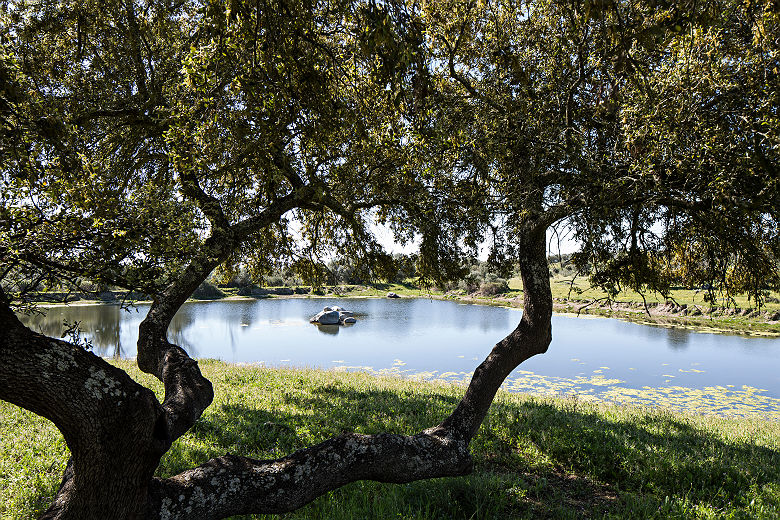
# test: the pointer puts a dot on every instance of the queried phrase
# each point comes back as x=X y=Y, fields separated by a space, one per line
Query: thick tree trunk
x=233 y=485
x=532 y=336
x=109 y=422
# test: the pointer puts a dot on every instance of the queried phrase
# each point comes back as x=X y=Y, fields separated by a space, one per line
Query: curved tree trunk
x=117 y=430
x=532 y=336
x=110 y=423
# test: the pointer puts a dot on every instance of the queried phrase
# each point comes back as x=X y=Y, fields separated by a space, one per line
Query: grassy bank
x=685 y=308
x=534 y=457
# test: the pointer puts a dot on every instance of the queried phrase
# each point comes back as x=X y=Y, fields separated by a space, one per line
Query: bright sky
x=385 y=238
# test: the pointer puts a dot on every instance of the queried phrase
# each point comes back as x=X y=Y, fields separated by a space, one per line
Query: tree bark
x=532 y=336
x=109 y=422
x=232 y=485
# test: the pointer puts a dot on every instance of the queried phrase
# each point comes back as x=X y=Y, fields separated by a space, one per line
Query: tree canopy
x=648 y=128
x=138 y=130
x=144 y=144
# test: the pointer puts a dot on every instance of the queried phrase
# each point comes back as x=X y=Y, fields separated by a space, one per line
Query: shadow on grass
x=532 y=459
x=652 y=457
x=259 y=433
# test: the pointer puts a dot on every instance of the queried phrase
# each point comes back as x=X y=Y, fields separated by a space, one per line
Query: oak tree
x=145 y=144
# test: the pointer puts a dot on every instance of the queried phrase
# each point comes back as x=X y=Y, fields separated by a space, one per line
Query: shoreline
x=705 y=323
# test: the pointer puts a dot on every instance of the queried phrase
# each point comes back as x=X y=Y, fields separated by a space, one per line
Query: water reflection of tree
x=677 y=339
x=247 y=315
x=100 y=324
x=182 y=321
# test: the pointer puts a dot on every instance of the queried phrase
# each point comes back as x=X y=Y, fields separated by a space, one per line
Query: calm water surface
x=593 y=358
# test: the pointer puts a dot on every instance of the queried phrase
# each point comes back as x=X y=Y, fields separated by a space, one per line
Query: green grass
x=534 y=457
x=563 y=288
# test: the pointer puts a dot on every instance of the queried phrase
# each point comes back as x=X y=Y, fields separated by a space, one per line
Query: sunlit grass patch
x=32 y=459
x=572 y=293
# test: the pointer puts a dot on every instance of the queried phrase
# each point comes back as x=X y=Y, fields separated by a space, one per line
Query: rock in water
x=333 y=316
x=326 y=318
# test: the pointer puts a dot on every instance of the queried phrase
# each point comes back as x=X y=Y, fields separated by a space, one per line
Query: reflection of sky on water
x=447 y=340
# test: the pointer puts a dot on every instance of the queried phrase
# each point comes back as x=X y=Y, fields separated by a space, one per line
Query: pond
x=591 y=358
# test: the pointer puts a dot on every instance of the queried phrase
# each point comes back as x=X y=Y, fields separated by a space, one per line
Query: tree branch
x=451 y=51
x=209 y=205
x=531 y=337
x=232 y=485
x=187 y=392
x=135 y=49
